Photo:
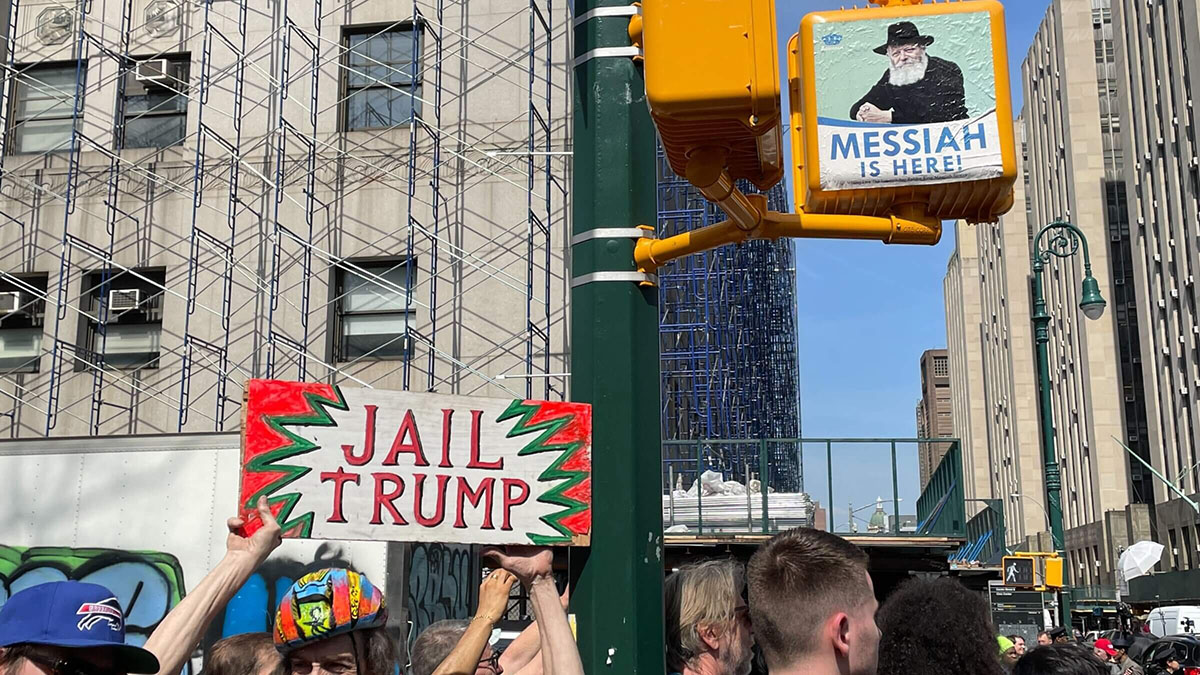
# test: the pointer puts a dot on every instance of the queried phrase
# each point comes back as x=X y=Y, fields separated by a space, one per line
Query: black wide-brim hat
x=904 y=33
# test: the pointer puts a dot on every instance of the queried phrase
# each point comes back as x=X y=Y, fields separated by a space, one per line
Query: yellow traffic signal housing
x=1053 y=576
x=712 y=80
x=903 y=110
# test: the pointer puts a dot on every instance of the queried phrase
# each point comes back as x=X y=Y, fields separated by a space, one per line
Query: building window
x=382 y=77
x=122 y=322
x=22 y=314
x=44 y=108
x=373 y=312
x=156 y=103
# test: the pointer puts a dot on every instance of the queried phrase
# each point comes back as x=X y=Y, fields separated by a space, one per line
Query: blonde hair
x=697 y=596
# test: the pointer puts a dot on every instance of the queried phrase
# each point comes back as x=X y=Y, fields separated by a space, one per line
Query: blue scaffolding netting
x=727 y=347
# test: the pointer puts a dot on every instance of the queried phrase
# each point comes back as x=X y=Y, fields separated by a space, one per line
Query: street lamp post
x=1063 y=240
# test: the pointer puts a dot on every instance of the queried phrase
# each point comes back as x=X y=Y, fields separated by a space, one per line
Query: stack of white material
x=720 y=506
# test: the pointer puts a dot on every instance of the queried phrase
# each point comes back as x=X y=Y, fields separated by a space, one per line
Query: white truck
x=145 y=516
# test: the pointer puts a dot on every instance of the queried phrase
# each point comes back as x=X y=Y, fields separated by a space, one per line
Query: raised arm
x=493 y=599
x=180 y=631
x=532 y=565
x=522 y=653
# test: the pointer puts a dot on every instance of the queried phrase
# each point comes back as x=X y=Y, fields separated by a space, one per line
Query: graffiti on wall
x=442 y=583
x=147 y=583
x=252 y=609
x=443 y=580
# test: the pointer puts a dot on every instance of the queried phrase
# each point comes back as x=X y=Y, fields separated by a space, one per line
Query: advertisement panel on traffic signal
x=904 y=105
x=906 y=101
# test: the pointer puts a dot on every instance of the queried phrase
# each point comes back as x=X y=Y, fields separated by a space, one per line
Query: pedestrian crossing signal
x=1020 y=571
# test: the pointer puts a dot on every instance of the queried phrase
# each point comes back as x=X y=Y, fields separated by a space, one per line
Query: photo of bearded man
x=916 y=88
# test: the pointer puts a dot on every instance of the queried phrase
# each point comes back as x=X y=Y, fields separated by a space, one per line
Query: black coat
x=937 y=97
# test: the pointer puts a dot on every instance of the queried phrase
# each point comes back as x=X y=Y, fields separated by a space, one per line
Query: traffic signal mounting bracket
x=750 y=219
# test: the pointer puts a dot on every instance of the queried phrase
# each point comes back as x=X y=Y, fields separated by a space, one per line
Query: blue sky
x=866 y=311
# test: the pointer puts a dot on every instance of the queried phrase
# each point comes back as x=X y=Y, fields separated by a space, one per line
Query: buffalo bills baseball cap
x=72 y=614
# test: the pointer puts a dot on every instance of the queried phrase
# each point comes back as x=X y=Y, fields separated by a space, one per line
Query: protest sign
x=348 y=463
x=904 y=100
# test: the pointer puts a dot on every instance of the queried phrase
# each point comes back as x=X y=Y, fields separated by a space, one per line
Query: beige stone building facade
x=370 y=193
x=990 y=341
x=1066 y=166
x=1157 y=51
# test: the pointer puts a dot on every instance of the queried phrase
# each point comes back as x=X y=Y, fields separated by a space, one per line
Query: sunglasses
x=492 y=661
x=69 y=666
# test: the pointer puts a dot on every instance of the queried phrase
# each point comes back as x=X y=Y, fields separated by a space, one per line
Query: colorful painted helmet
x=326 y=603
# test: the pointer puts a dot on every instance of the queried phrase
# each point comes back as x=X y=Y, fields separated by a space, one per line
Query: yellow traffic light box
x=1040 y=571
x=712 y=81
x=903 y=109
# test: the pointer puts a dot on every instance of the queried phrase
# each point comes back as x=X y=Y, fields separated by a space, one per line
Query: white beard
x=908 y=73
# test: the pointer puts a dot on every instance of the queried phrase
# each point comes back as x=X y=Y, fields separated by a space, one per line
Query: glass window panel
x=45 y=106
x=379 y=108
x=42 y=135
x=155 y=131
x=155 y=100
x=19 y=349
x=384 y=58
x=373 y=335
x=364 y=294
x=129 y=345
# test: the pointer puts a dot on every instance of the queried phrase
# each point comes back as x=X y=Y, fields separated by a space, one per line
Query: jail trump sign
x=348 y=463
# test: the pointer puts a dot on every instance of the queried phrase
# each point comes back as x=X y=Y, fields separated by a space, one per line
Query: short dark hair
x=13 y=655
x=797 y=580
x=378 y=649
x=1014 y=637
x=243 y=654
x=936 y=627
x=435 y=643
x=1060 y=659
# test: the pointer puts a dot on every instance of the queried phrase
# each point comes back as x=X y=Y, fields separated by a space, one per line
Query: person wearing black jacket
x=916 y=88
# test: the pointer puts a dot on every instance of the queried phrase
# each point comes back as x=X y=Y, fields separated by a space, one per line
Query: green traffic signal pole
x=1063 y=241
x=617 y=582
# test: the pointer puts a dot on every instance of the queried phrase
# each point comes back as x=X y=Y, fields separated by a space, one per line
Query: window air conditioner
x=123 y=299
x=10 y=302
x=152 y=71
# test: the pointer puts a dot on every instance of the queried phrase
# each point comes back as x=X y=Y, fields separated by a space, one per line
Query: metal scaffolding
x=237 y=232
x=728 y=345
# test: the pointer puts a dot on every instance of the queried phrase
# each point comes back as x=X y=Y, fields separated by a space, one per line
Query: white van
x=1174 y=620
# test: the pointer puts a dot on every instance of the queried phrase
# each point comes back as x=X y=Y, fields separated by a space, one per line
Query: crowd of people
x=804 y=604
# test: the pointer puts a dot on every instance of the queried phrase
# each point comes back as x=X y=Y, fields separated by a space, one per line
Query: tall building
x=728 y=345
x=1071 y=158
x=990 y=344
x=933 y=411
x=1156 y=51
x=370 y=193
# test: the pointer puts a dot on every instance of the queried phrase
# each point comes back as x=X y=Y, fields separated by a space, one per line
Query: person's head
x=1121 y=644
x=436 y=642
x=707 y=618
x=811 y=599
x=1008 y=651
x=1059 y=635
x=905 y=49
x=1060 y=659
x=1018 y=644
x=1103 y=649
x=68 y=627
x=244 y=654
x=331 y=622
x=1043 y=639
x=937 y=627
